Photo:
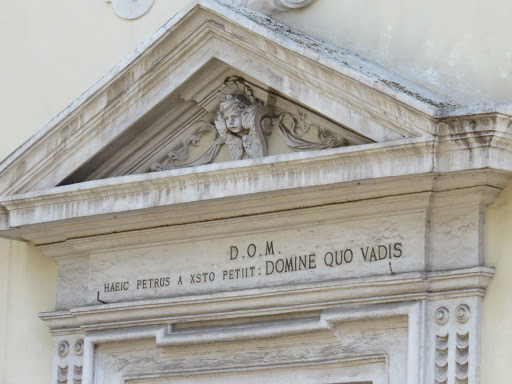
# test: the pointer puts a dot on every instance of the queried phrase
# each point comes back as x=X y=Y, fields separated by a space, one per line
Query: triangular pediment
x=145 y=111
x=184 y=130
x=153 y=134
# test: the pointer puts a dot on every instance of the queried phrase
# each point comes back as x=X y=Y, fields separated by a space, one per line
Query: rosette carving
x=462 y=313
x=79 y=347
x=63 y=348
x=442 y=315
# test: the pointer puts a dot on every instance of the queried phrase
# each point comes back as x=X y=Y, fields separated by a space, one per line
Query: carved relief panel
x=245 y=125
x=455 y=338
x=68 y=361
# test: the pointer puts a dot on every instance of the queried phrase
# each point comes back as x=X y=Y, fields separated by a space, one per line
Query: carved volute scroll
x=243 y=123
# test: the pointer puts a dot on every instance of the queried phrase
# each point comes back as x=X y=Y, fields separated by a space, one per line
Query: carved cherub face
x=233 y=120
x=232 y=110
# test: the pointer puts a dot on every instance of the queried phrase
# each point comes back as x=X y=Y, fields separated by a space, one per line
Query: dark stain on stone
x=403 y=89
x=334 y=53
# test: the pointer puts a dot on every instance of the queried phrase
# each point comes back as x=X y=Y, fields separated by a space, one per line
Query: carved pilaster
x=68 y=360
x=456 y=331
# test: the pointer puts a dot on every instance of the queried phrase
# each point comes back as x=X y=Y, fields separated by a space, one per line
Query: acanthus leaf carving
x=242 y=123
x=179 y=157
x=292 y=136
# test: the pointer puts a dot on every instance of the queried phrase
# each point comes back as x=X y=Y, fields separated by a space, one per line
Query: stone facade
x=239 y=202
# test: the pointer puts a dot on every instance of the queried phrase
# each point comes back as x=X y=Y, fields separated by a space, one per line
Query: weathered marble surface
x=409 y=194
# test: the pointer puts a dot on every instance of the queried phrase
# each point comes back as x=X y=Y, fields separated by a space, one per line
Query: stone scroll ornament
x=242 y=123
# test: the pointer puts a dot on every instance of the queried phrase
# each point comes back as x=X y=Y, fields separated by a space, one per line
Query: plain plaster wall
x=27 y=286
x=459 y=48
x=55 y=49
x=497 y=321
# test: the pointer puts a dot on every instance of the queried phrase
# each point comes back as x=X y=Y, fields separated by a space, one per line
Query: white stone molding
x=380 y=240
x=329 y=89
x=130 y=9
x=68 y=365
x=382 y=118
x=166 y=336
x=412 y=285
x=456 y=349
x=327 y=322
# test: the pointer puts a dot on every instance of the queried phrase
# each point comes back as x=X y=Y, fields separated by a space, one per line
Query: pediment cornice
x=406 y=130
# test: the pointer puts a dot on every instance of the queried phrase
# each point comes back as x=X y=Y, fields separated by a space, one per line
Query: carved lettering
x=334 y=258
x=251 y=250
x=157 y=282
x=238 y=273
x=381 y=252
x=249 y=267
x=233 y=254
x=398 y=250
x=204 y=277
x=116 y=287
x=269 y=250
x=291 y=264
